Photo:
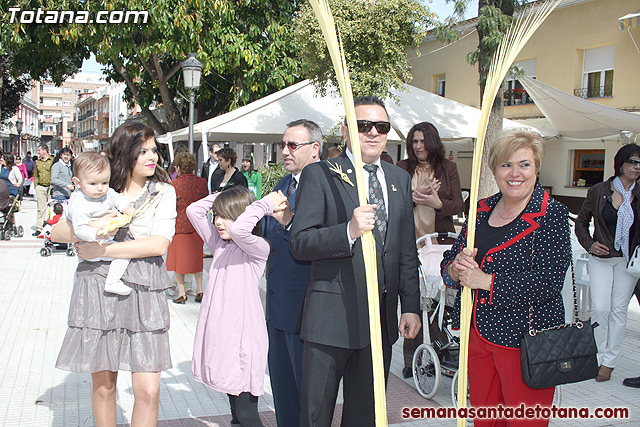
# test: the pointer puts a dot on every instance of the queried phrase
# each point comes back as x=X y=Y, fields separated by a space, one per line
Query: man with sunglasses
x=326 y=230
x=287 y=277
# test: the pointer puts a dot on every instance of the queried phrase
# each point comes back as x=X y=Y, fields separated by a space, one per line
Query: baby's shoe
x=117 y=288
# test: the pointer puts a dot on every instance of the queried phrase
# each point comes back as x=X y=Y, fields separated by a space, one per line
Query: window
x=597 y=72
x=442 y=80
x=514 y=93
x=588 y=167
x=68 y=90
x=67 y=103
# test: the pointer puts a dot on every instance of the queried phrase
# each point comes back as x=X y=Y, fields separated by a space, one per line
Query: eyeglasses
x=633 y=162
x=364 y=126
x=293 y=146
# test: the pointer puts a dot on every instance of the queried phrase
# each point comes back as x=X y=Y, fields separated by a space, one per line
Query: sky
x=439 y=7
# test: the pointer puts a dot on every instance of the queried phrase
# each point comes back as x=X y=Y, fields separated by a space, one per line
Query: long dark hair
x=432 y=143
x=123 y=151
x=251 y=170
x=8 y=160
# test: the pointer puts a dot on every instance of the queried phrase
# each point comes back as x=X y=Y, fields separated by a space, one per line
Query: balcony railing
x=517 y=99
x=86 y=133
x=594 y=92
x=86 y=115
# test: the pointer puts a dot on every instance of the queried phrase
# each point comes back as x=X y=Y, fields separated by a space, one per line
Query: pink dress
x=230 y=348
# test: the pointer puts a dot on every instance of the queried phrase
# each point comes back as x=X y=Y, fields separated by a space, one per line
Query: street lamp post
x=191 y=69
x=19 y=124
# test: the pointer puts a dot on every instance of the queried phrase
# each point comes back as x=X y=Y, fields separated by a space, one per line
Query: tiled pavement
x=33 y=313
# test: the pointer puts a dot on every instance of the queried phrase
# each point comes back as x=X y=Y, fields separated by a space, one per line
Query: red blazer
x=189 y=189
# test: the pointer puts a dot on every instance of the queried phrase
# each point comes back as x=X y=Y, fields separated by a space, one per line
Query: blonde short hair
x=511 y=140
x=89 y=162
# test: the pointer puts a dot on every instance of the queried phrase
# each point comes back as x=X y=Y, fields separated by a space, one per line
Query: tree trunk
x=487 y=182
x=148 y=114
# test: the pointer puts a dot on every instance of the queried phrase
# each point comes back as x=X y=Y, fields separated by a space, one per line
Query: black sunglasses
x=364 y=126
x=292 y=146
x=633 y=162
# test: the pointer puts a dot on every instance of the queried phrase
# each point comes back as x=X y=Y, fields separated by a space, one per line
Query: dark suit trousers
x=285 y=373
x=322 y=368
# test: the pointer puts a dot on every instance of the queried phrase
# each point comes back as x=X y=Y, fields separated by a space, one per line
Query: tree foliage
x=245 y=45
x=494 y=18
x=33 y=51
x=374 y=34
x=12 y=89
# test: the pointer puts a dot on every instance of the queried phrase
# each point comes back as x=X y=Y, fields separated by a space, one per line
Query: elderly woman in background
x=185 y=251
x=613 y=205
x=436 y=195
x=227 y=175
x=522 y=251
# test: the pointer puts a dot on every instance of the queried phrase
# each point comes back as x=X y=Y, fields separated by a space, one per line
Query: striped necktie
x=376 y=196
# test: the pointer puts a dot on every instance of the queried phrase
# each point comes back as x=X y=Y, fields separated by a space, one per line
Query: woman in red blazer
x=185 y=251
x=522 y=251
x=436 y=197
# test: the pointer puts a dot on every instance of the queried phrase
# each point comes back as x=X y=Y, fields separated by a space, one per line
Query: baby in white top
x=91 y=201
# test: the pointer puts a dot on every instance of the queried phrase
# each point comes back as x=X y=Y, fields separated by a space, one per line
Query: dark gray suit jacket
x=335 y=310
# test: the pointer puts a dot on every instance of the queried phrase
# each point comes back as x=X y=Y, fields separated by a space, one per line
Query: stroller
x=49 y=246
x=439 y=354
x=8 y=206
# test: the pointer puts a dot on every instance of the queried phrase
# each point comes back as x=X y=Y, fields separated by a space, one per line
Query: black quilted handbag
x=559 y=355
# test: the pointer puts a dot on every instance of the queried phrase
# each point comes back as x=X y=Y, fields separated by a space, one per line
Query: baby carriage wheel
x=557 y=397
x=1 y=234
x=454 y=391
x=45 y=252
x=7 y=234
x=426 y=371
x=18 y=231
x=71 y=251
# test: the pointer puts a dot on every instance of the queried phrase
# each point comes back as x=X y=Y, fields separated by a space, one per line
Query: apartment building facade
x=58 y=108
x=581 y=49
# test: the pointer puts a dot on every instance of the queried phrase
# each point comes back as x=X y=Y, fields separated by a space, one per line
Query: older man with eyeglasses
x=287 y=277
x=326 y=230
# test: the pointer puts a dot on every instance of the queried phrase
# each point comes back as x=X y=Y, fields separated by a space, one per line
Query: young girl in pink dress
x=230 y=349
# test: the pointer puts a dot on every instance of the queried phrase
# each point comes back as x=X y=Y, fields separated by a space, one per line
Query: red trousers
x=495 y=378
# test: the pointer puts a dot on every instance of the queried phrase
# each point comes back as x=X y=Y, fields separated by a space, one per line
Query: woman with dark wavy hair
x=436 y=196
x=108 y=332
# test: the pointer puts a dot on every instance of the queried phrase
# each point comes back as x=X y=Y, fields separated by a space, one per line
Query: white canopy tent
x=264 y=120
x=575 y=117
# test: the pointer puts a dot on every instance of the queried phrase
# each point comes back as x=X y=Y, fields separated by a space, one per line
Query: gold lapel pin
x=338 y=169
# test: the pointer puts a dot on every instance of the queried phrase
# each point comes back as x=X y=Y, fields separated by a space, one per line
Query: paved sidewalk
x=33 y=315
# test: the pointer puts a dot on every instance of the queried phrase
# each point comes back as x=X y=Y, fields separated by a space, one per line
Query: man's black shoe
x=632 y=382
x=36 y=233
x=407 y=373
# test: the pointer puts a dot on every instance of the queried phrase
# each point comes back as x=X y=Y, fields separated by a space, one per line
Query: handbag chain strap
x=575 y=321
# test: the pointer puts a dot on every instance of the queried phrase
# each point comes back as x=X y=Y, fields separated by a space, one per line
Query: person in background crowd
x=227 y=175
x=522 y=252
x=185 y=251
x=386 y=157
x=437 y=196
x=107 y=332
x=42 y=181
x=287 y=277
x=30 y=164
x=10 y=173
x=61 y=176
x=254 y=178
x=22 y=167
x=326 y=230
x=613 y=205
x=210 y=166
x=180 y=148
